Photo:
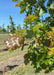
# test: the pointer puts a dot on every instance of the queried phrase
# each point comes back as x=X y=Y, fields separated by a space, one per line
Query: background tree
x=12 y=26
x=19 y=27
x=8 y=28
x=0 y=28
x=3 y=29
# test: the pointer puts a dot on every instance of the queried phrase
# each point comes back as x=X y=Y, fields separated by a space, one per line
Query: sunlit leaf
x=51 y=51
x=41 y=12
x=52 y=6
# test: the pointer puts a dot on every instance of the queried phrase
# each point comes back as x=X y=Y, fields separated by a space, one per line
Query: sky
x=7 y=7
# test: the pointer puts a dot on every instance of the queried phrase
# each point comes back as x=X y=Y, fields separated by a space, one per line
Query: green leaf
x=36 y=28
x=52 y=6
x=41 y=12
